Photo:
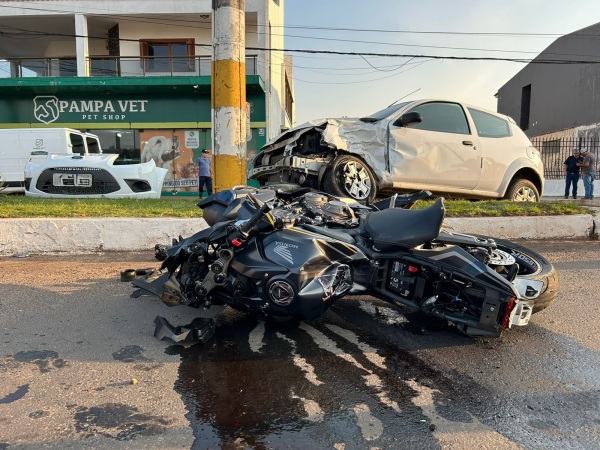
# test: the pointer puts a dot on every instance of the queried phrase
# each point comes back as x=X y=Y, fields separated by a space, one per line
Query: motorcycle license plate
x=72 y=179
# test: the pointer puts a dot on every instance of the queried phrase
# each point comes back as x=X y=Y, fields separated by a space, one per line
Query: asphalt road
x=80 y=368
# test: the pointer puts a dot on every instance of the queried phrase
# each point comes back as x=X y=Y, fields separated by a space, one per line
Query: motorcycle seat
x=404 y=227
x=334 y=233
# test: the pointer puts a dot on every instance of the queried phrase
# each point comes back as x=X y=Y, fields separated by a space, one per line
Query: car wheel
x=348 y=176
x=532 y=266
x=521 y=190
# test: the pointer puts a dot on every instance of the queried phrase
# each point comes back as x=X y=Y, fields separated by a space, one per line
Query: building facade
x=555 y=98
x=138 y=74
x=558 y=93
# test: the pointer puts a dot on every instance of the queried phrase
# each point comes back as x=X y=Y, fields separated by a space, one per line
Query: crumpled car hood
x=349 y=134
x=366 y=139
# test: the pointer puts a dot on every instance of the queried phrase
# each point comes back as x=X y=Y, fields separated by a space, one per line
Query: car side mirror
x=408 y=118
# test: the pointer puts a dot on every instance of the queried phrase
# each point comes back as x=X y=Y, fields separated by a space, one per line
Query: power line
x=463 y=33
x=135 y=14
x=296 y=79
x=398 y=55
x=132 y=17
x=359 y=54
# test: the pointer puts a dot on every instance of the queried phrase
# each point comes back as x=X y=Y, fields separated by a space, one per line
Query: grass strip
x=18 y=206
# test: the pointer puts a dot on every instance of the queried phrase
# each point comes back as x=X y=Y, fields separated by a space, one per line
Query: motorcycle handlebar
x=249 y=225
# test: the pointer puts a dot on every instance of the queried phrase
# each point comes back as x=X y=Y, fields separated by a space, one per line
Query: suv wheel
x=521 y=190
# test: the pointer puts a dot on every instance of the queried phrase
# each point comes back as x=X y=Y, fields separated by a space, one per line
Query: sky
x=327 y=85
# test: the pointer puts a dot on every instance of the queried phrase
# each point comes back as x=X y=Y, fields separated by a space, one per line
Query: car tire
x=522 y=190
x=348 y=176
x=533 y=266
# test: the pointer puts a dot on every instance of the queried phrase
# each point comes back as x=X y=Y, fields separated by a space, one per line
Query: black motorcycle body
x=292 y=255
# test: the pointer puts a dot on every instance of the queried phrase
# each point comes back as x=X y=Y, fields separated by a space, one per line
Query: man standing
x=571 y=171
x=588 y=170
x=204 y=173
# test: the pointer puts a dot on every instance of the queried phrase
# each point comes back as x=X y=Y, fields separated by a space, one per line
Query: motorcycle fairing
x=295 y=248
x=426 y=279
x=457 y=259
x=289 y=273
x=317 y=271
x=226 y=205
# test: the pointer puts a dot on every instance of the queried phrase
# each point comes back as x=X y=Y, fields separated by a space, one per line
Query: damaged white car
x=91 y=176
x=448 y=148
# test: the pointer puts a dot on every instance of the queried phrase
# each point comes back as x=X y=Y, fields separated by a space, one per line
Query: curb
x=528 y=227
x=73 y=236
x=78 y=236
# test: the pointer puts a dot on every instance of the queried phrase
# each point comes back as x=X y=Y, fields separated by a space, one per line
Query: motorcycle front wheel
x=533 y=266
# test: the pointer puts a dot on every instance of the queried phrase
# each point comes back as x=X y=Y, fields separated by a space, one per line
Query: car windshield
x=380 y=115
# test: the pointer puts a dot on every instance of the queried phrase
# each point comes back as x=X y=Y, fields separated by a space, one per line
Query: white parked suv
x=446 y=147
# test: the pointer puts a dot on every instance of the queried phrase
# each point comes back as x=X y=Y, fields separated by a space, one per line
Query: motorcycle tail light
x=509 y=308
x=413 y=269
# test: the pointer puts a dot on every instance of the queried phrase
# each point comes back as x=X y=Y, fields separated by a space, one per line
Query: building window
x=168 y=55
x=525 y=107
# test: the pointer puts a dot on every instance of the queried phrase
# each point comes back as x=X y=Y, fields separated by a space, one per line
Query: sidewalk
x=555 y=190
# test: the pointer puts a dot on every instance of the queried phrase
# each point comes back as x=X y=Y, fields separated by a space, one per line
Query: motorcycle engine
x=319 y=208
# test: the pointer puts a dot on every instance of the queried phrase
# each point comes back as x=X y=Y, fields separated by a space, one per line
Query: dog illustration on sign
x=162 y=150
x=167 y=153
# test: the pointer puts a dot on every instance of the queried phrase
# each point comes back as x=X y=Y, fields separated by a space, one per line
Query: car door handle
x=467 y=143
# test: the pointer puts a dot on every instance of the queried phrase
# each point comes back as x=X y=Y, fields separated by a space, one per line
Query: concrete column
x=229 y=93
x=81 y=45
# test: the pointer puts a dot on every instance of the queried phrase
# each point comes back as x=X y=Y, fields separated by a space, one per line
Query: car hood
x=349 y=134
x=364 y=139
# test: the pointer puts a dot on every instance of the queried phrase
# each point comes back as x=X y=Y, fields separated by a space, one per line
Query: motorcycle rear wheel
x=533 y=266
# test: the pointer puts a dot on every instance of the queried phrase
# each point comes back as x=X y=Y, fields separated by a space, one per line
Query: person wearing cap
x=204 y=173
x=588 y=172
x=571 y=172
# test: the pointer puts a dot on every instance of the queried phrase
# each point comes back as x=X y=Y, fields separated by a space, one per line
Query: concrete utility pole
x=229 y=93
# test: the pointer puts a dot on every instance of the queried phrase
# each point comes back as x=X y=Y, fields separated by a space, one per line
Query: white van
x=20 y=145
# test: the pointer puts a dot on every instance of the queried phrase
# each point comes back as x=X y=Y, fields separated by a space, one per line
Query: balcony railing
x=122 y=66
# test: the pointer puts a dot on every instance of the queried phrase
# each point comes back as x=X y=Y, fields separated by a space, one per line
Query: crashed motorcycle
x=291 y=254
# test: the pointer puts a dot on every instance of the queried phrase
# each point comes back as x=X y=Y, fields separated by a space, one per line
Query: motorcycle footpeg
x=160 y=252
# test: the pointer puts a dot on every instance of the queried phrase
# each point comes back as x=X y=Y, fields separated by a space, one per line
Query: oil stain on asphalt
x=319 y=384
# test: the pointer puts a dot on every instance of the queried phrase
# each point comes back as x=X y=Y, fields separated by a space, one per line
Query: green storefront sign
x=81 y=109
x=90 y=102
x=169 y=109
x=117 y=109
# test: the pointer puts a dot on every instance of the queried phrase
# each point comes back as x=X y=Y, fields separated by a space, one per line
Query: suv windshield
x=380 y=115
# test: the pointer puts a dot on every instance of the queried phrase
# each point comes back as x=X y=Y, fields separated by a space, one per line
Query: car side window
x=443 y=117
x=489 y=125
x=77 y=143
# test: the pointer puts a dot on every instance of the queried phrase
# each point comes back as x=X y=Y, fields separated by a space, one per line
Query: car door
x=442 y=150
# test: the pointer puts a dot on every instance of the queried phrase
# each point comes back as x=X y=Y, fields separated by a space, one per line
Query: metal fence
x=120 y=66
x=555 y=151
